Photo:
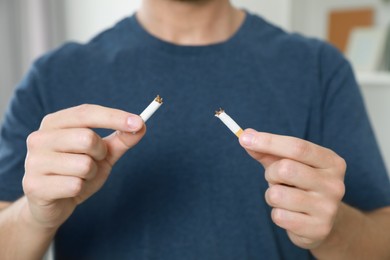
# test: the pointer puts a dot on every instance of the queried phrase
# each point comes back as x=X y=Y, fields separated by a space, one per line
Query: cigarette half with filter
x=229 y=122
x=151 y=109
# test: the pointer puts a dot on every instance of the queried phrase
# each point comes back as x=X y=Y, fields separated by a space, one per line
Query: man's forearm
x=20 y=238
x=357 y=235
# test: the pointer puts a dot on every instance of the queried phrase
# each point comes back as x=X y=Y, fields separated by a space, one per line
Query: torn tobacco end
x=159 y=99
x=218 y=112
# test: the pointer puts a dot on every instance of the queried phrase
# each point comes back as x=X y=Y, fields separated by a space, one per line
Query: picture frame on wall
x=368 y=49
x=341 y=22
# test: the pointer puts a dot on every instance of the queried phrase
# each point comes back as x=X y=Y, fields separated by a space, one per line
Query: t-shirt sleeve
x=22 y=117
x=347 y=130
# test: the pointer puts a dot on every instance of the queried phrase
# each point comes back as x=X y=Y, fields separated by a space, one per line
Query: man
x=189 y=190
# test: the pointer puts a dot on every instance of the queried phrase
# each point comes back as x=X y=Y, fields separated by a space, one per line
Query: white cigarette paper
x=229 y=122
x=151 y=109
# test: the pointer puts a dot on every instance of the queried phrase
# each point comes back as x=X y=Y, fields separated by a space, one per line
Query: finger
x=308 y=242
x=295 y=174
x=54 y=187
x=295 y=222
x=264 y=159
x=76 y=165
x=287 y=147
x=304 y=231
x=93 y=116
x=290 y=198
x=72 y=140
x=119 y=142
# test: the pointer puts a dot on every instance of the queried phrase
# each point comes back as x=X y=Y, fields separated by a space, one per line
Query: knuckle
x=340 y=164
x=274 y=195
x=286 y=169
x=76 y=187
x=29 y=185
x=268 y=175
x=88 y=139
x=30 y=162
x=34 y=140
x=276 y=215
x=46 y=121
x=339 y=189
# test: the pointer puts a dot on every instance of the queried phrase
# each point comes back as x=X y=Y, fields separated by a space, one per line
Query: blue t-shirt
x=188 y=190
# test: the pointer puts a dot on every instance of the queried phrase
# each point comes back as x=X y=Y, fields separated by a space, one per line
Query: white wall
x=276 y=11
x=7 y=63
x=86 y=18
x=377 y=99
x=28 y=29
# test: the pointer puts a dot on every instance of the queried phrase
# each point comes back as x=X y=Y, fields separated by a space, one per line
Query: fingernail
x=133 y=123
x=247 y=139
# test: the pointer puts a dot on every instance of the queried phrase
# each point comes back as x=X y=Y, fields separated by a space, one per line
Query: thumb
x=119 y=142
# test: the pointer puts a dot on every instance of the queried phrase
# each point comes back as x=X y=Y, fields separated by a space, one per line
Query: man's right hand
x=67 y=162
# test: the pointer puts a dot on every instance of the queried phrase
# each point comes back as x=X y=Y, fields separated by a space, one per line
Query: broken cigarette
x=229 y=122
x=151 y=109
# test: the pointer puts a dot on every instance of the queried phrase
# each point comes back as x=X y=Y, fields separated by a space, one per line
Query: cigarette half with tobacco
x=152 y=108
x=229 y=122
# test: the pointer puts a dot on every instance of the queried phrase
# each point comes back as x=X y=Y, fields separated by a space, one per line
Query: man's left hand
x=306 y=184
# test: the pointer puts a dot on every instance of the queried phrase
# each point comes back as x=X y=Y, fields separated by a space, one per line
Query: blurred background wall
x=28 y=28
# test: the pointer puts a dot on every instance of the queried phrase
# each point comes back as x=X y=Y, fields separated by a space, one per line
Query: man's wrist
x=26 y=220
x=348 y=225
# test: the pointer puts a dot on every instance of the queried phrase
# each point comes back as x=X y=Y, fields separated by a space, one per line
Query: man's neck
x=190 y=22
